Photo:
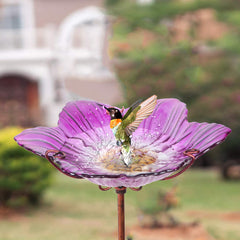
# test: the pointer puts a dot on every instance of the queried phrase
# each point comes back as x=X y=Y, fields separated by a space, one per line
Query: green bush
x=23 y=176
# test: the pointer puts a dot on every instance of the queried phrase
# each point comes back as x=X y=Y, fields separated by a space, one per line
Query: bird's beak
x=108 y=111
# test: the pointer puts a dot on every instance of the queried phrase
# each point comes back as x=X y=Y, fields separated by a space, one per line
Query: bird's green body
x=121 y=134
x=124 y=126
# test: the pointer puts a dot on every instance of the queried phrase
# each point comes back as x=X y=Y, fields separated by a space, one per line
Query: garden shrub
x=23 y=176
x=155 y=210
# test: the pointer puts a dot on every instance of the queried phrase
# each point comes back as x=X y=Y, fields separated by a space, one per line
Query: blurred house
x=52 y=51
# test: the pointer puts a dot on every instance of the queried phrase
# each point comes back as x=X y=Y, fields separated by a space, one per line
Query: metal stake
x=121 y=214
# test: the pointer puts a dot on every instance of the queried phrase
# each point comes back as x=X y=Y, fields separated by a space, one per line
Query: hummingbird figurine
x=124 y=126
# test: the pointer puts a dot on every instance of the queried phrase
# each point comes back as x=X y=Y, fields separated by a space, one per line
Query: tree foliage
x=200 y=70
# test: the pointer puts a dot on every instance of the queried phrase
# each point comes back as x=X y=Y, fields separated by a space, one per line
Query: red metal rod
x=121 y=215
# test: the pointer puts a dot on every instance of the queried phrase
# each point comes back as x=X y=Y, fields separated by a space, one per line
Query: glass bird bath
x=157 y=143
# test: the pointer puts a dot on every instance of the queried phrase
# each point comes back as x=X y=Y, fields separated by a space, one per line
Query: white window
x=10 y=16
x=16 y=24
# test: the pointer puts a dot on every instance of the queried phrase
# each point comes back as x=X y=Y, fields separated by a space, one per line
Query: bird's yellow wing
x=144 y=110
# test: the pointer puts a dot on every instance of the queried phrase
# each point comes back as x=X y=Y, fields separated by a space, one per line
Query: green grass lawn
x=76 y=209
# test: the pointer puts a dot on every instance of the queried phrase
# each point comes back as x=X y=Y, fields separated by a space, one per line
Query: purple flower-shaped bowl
x=84 y=146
